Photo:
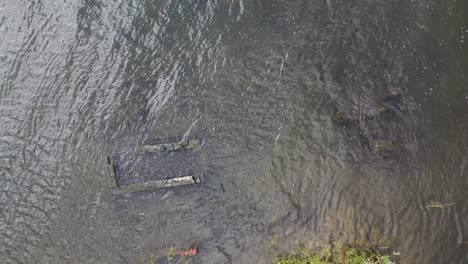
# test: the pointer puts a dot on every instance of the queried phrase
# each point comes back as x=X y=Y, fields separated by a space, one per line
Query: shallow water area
x=321 y=121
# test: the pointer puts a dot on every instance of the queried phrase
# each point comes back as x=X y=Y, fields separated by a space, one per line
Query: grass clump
x=303 y=256
x=355 y=254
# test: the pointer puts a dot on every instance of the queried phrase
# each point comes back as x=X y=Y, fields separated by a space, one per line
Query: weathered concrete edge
x=153 y=185
x=192 y=144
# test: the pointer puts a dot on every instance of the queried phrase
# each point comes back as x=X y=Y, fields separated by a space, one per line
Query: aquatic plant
x=438 y=204
x=353 y=254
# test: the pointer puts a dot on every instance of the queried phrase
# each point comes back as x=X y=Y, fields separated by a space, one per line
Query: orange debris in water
x=189 y=252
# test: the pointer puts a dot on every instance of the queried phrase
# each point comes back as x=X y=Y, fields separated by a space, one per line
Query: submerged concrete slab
x=155 y=166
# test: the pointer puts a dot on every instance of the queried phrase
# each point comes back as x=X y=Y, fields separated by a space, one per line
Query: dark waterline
x=322 y=121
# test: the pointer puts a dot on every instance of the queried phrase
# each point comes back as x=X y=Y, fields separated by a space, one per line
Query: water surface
x=289 y=98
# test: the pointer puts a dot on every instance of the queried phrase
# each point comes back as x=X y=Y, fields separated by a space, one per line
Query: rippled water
x=287 y=96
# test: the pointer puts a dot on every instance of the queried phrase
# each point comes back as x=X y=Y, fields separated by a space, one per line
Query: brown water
x=262 y=83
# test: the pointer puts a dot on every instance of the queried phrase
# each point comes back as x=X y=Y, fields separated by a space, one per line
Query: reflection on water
x=322 y=120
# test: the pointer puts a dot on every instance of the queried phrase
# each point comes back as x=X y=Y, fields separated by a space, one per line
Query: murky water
x=322 y=120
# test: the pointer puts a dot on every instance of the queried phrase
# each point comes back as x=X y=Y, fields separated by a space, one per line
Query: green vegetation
x=355 y=254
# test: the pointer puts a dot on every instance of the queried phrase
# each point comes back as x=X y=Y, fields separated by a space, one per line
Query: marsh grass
x=148 y=259
x=172 y=253
x=353 y=254
x=438 y=204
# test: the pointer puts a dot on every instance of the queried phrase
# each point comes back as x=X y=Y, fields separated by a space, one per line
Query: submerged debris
x=382 y=145
x=393 y=96
x=340 y=117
